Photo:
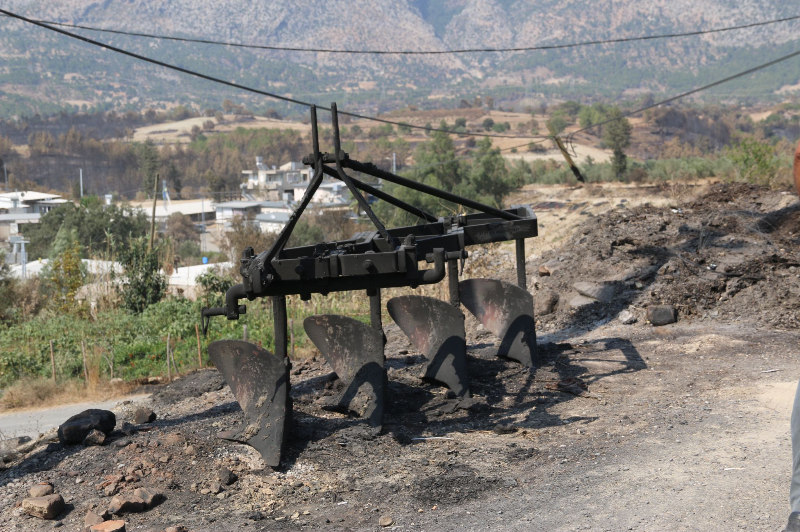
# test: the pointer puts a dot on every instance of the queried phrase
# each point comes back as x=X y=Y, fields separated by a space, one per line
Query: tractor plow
x=371 y=261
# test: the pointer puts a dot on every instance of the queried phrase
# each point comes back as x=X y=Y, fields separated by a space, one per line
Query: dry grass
x=30 y=392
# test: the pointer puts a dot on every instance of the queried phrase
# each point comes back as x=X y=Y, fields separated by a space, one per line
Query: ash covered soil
x=683 y=427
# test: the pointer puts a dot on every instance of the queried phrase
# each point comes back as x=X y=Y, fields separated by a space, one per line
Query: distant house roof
x=163 y=210
x=20 y=217
x=28 y=195
x=238 y=205
x=275 y=205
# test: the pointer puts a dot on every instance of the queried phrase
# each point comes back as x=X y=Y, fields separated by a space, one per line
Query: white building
x=196 y=209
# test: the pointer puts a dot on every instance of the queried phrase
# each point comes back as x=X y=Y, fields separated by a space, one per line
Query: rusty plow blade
x=260 y=382
x=436 y=329
x=355 y=352
x=506 y=310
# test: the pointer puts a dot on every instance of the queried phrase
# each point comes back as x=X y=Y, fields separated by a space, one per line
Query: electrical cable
x=244 y=87
x=422 y=52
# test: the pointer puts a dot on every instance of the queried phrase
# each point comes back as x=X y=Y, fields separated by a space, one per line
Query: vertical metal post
x=199 y=351
x=280 y=323
x=452 y=282
x=522 y=280
x=81 y=178
x=375 y=311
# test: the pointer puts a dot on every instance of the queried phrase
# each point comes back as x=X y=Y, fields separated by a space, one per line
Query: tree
x=617 y=136
x=97 y=226
x=147 y=160
x=143 y=283
x=180 y=228
x=488 y=124
x=67 y=276
x=8 y=285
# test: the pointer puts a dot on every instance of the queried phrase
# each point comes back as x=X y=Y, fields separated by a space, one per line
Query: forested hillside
x=42 y=71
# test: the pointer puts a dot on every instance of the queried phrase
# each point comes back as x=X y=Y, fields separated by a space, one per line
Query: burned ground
x=621 y=427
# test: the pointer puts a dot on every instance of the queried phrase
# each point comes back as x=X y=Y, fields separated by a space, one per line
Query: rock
x=550 y=267
x=143 y=415
x=504 y=429
x=109 y=526
x=76 y=428
x=41 y=490
x=111 y=489
x=226 y=476
x=9 y=447
x=43 y=507
x=661 y=315
x=189 y=450
x=386 y=520
x=92 y=519
x=116 y=381
x=581 y=301
x=176 y=529
x=600 y=292
x=127 y=429
x=150 y=496
x=626 y=317
x=215 y=487
x=124 y=504
x=95 y=437
x=546 y=303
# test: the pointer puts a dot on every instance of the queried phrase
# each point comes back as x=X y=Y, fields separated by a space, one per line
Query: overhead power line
x=246 y=88
x=420 y=52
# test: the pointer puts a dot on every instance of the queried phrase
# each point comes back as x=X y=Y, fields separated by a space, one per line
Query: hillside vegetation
x=44 y=71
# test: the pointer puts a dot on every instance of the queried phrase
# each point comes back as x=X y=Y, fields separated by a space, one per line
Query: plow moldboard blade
x=507 y=311
x=260 y=382
x=436 y=329
x=355 y=352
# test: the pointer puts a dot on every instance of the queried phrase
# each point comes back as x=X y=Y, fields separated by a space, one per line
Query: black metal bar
x=374 y=171
x=452 y=281
x=316 y=181
x=280 y=323
x=388 y=198
x=337 y=146
x=375 y=309
x=522 y=280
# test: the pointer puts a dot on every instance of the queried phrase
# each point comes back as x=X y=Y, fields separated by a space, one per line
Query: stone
x=41 y=490
x=109 y=526
x=143 y=415
x=626 y=317
x=150 y=496
x=661 y=315
x=111 y=489
x=47 y=507
x=504 y=429
x=550 y=267
x=581 y=301
x=125 y=504
x=92 y=519
x=176 y=529
x=546 y=303
x=189 y=450
x=9 y=448
x=95 y=437
x=76 y=428
x=601 y=292
x=543 y=271
x=226 y=476
x=215 y=487
x=386 y=520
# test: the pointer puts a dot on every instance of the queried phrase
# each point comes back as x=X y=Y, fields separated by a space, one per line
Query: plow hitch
x=372 y=261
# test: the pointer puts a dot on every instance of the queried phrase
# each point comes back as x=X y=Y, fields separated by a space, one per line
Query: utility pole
x=202 y=224
x=81 y=170
x=153 y=220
